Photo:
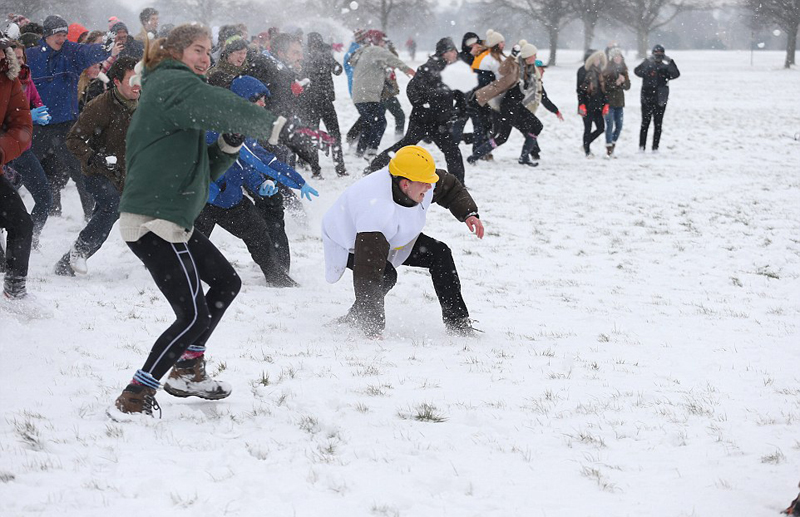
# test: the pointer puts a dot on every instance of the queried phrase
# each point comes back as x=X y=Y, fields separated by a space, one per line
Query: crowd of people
x=171 y=132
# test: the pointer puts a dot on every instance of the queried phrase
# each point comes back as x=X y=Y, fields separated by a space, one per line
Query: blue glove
x=307 y=191
x=267 y=189
x=213 y=192
x=40 y=116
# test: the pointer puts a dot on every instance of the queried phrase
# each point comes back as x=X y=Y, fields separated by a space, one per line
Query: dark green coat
x=169 y=166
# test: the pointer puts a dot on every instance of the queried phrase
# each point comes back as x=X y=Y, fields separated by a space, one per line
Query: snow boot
x=609 y=149
x=527 y=149
x=136 y=399
x=461 y=327
x=188 y=378
x=14 y=287
x=63 y=268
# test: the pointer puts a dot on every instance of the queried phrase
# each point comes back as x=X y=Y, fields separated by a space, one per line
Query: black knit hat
x=658 y=49
x=54 y=24
x=445 y=45
x=119 y=26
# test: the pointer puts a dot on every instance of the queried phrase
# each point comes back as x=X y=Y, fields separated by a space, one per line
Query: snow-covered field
x=640 y=354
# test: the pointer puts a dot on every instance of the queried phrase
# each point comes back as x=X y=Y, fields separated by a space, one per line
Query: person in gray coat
x=369 y=74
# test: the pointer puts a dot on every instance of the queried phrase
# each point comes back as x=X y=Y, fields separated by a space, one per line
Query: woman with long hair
x=169 y=170
x=617 y=80
x=592 y=101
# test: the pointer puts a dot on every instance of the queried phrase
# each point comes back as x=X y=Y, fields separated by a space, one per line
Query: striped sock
x=193 y=352
x=142 y=378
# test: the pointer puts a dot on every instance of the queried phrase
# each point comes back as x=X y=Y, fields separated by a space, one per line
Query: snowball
x=353 y=5
x=776 y=32
x=459 y=76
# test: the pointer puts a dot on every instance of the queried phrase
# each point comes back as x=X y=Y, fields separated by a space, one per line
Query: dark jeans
x=34 y=179
x=436 y=257
x=244 y=221
x=392 y=105
x=272 y=211
x=60 y=165
x=17 y=223
x=325 y=111
x=589 y=136
x=178 y=270
x=374 y=124
x=441 y=136
x=651 y=110
x=479 y=125
x=614 y=121
x=106 y=213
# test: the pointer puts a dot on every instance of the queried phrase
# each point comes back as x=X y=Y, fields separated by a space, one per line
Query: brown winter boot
x=189 y=379
x=137 y=399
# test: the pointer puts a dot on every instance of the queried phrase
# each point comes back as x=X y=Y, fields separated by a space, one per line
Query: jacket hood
x=596 y=58
x=248 y=87
x=12 y=66
x=315 y=42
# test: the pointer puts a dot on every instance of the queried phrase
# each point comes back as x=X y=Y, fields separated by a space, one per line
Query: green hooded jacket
x=169 y=165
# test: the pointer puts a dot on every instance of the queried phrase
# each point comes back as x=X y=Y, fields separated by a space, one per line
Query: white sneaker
x=77 y=261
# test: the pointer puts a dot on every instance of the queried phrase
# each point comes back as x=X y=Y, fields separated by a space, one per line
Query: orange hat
x=75 y=31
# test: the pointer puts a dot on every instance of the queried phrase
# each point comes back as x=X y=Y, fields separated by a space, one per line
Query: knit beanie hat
x=493 y=38
x=119 y=26
x=54 y=24
x=658 y=49
x=445 y=45
x=526 y=50
x=233 y=44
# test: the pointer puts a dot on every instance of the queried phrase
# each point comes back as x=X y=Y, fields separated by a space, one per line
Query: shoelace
x=150 y=403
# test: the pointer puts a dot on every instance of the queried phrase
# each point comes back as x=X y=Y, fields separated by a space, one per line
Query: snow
x=639 y=357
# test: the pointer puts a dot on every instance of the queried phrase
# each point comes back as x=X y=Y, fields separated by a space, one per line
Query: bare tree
x=552 y=14
x=589 y=13
x=645 y=16
x=786 y=14
x=394 y=11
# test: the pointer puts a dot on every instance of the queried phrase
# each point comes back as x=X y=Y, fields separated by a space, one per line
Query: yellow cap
x=415 y=163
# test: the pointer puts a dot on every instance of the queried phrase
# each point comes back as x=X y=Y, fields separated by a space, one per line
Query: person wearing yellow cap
x=376 y=226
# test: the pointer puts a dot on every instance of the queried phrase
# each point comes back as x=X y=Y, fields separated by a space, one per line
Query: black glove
x=233 y=139
x=102 y=161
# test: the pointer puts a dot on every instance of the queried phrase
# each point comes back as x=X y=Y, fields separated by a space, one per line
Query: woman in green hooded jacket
x=169 y=169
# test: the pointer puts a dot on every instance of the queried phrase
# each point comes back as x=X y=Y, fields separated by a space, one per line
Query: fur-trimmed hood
x=12 y=71
x=596 y=58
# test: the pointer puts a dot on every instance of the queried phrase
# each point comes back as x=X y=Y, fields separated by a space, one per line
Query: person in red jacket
x=15 y=136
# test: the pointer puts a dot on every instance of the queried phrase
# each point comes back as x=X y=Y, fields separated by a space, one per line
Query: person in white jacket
x=376 y=225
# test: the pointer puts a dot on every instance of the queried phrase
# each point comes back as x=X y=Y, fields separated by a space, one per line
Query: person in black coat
x=592 y=101
x=434 y=107
x=318 y=97
x=656 y=72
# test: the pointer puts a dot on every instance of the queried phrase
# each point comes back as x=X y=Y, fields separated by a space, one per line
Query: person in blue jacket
x=228 y=207
x=56 y=64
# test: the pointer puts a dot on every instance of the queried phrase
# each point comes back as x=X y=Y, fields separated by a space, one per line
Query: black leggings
x=178 y=270
x=656 y=112
x=589 y=136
